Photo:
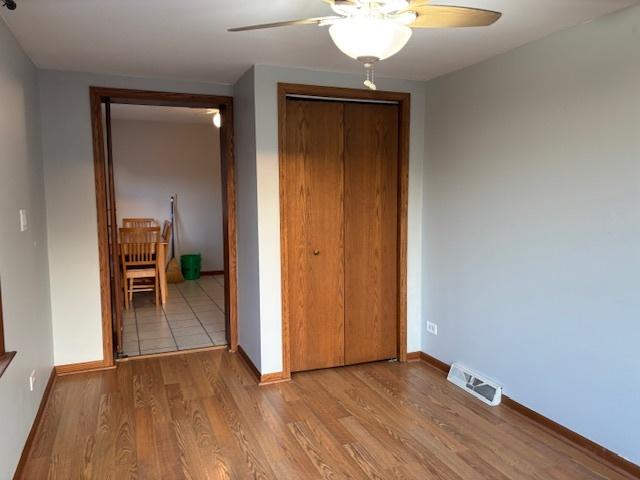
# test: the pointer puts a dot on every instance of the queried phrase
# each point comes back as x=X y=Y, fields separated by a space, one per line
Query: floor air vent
x=477 y=385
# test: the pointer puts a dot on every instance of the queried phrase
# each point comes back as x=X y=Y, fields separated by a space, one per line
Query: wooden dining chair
x=139 y=257
x=139 y=222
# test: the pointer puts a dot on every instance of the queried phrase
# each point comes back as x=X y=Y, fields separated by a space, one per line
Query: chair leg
x=126 y=294
x=131 y=290
x=156 y=290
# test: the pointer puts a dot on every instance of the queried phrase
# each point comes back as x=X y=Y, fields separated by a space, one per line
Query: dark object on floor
x=191 y=265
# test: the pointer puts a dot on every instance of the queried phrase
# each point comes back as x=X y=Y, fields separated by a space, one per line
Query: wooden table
x=162 y=271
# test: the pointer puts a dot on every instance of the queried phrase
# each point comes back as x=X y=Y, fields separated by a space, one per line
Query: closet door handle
x=316 y=252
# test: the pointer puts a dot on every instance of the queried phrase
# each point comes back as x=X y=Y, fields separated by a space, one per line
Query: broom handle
x=173 y=232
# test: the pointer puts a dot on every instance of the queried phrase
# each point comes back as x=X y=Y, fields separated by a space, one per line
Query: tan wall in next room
x=155 y=160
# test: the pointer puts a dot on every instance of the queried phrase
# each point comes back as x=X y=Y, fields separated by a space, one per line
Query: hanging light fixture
x=216 y=118
x=369 y=37
x=369 y=40
x=372 y=30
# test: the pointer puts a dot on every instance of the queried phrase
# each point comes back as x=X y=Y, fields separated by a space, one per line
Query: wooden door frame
x=98 y=95
x=404 y=102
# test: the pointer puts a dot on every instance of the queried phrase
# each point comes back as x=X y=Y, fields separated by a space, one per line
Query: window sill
x=5 y=360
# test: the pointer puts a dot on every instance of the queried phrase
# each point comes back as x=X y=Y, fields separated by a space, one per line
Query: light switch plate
x=23 y=220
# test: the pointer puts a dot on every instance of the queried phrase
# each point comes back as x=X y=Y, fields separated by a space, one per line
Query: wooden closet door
x=371 y=230
x=314 y=223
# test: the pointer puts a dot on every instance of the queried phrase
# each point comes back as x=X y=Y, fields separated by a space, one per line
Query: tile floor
x=192 y=318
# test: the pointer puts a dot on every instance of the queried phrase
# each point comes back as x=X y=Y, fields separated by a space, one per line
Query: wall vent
x=477 y=385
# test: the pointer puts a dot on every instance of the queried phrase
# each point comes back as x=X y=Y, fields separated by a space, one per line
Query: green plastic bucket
x=190 y=265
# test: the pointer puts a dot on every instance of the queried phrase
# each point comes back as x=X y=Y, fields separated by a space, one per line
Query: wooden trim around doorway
x=98 y=95
x=404 y=103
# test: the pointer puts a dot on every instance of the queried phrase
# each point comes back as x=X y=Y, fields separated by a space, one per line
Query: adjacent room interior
x=167 y=176
x=320 y=239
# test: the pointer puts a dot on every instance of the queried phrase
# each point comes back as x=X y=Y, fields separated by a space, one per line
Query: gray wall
x=153 y=160
x=532 y=226
x=247 y=217
x=23 y=256
x=71 y=203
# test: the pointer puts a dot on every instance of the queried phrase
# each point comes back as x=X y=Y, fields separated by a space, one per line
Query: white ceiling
x=152 y=113
x=187 y=39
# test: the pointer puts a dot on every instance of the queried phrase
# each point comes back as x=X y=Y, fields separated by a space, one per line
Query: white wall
x=154 y=160
x=247 y=218
x=23 y=256
x=266 y=112
x=532 y=226
x=71 y=204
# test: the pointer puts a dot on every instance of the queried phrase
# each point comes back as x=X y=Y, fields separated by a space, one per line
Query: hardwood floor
x=201 y=415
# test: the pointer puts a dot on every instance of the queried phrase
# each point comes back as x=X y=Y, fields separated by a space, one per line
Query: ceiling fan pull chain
x=370 y=81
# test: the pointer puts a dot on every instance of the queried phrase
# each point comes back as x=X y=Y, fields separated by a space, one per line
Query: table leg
x=162 y=272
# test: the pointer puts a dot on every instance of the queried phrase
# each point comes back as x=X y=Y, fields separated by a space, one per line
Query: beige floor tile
x=157 y=331
x=190 y=322
x=219 y=339
x=152 y=320
x=205 y=308
x=158 y=350
x=214 y=329
x=157 y=343
x=194 y=341
x=181 y=316
x=188 y=331
x=200 y=301
x=211 y=315
x=177 y=309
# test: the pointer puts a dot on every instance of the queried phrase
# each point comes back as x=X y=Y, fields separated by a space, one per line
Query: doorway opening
x=165 y=190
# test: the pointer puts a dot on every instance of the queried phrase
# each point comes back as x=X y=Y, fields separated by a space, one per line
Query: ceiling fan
x=372 y=30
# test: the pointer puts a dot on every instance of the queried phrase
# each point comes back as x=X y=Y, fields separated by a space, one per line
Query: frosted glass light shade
x=369 y=37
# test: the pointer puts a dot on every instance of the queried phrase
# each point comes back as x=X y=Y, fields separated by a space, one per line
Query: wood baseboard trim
x=247 y=361
x=266 y=379
x=413 y=356
x=34 y=426
x=271 y=378
x=212 y=272
x=577 y=440
x=434 y=362
x=83 y=367
x=574 y=438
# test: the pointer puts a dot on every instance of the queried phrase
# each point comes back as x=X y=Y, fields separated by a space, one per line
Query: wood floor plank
x=202 y=416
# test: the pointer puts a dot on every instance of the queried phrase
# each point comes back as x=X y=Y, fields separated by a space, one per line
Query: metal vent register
x=477 y=385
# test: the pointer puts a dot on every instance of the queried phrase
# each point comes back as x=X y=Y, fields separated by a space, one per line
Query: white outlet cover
x=32 y=380
x=432 y=328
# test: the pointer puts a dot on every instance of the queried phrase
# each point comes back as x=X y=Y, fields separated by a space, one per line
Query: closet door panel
x=313 y=210
x=371 y=244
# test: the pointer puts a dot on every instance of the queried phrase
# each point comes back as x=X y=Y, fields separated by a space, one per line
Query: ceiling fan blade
x=304 y=21
x=444 y=16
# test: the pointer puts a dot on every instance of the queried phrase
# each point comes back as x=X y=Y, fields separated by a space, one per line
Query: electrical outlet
x=32 y=380
x=432 y=328
x=23 y=220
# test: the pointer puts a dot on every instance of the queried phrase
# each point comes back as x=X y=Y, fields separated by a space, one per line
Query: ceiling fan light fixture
x=369 y=37
x=391 y=6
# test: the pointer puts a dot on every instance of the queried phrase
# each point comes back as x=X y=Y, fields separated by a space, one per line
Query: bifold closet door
x=313 y=206
x=371 y=231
